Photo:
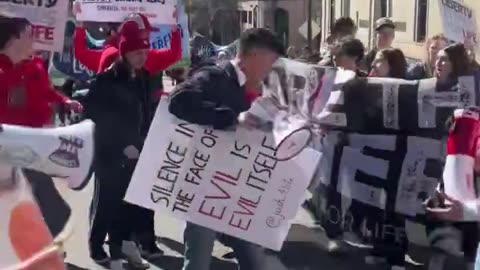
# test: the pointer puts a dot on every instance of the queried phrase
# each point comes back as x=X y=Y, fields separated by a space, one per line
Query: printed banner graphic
x=48 y=18
x=64 y=64
x=228 y=181
x=459 y=22
x=381 y=142
x=163 y=38
x=157 y=11
x=65 y=61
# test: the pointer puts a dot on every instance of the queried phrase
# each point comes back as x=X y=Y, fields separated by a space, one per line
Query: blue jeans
x=477 y=260
x=199 y=243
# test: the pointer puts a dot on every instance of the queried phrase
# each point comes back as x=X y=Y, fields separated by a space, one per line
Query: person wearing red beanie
x=121 y=104
x=99 y=60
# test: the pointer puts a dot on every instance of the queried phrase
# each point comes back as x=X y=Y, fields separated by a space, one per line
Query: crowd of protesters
x=123 y=96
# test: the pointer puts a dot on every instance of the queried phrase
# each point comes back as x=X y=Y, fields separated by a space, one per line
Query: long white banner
x=48 y=18
x=230 y=182
x=157 y=11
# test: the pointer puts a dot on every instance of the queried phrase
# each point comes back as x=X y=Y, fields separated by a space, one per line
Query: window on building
x=421 y=20
x=332 y=12
x=346 y=8
x=244 y=16
x=381 y=9
x=384 y=8
x=255 y=17
x=250 y=17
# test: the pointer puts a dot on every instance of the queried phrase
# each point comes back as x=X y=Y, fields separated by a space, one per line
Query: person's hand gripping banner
x=291 y=133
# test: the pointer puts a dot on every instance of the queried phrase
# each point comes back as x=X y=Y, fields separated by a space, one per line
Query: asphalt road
x=305 y=248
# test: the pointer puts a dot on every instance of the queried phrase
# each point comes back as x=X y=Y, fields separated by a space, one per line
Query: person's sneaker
x=229 y=256
x=117 y=265
x=99 y=256
x=151 y=252
x=132 y=255
x=375 y=260
x=336 y=247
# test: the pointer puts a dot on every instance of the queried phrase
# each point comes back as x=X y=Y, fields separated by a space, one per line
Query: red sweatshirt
x=99 y=60
x=26 y=93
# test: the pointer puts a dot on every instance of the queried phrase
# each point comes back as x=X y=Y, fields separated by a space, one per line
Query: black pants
x=249 y=255
x=391 y=240
x=113 y=216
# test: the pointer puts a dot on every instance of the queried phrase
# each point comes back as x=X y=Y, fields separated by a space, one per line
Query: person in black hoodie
x=121 y=103
x=215 y=95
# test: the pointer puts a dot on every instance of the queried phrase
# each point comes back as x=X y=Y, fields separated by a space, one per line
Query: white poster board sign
x=48 y=18
x=458 y=21
x=227 y=181
x=157 y=11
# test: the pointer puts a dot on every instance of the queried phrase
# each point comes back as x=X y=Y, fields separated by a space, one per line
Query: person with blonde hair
x=426 y=68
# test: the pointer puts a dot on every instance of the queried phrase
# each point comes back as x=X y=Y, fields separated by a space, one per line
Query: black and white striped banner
x=380 y=138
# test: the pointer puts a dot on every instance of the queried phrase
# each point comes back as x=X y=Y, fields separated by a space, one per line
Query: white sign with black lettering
x=157 y=11
x=459 y=21
x=230 y=182
x=48 y=20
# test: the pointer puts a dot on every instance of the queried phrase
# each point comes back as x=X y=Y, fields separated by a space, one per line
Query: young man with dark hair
x=26 y=96
x=343 y=27
x=384 y=36
x=349 y=53
x=25 y=90
x=216 y=96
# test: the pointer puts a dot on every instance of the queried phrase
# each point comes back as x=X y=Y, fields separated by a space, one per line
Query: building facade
x=416 y=20
x=285 y=17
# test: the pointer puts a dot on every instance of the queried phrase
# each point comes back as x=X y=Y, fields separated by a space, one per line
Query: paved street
x=304 y=249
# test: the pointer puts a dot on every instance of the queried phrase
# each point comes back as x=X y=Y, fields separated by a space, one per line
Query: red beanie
x=141 y=21
x=131 y=38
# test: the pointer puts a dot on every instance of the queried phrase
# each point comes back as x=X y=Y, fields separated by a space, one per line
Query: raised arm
x=159 y=60
x=87 y=57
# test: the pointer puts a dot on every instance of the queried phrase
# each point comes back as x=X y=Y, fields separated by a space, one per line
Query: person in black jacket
x=121 y=104
x=216 y=95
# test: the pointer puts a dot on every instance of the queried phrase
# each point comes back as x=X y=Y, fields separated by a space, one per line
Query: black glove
x=224 y=118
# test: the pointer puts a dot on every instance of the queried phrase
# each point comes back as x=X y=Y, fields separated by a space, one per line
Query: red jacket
x=99 y=60
x=26 y=95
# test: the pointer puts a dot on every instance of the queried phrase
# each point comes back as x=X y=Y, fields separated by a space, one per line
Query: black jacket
x=122 y=108
x=212 y=96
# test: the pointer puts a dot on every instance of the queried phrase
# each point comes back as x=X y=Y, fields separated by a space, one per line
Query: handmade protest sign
x=230 y=182
x=381 y=141
x=458 y=21
x=157 y=11
x=47 y=17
